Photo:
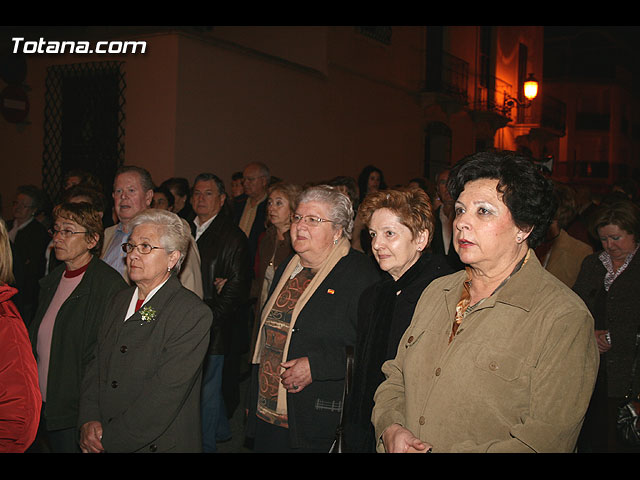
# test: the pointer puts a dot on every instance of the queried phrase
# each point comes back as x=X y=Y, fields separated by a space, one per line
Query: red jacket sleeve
x=20 y=398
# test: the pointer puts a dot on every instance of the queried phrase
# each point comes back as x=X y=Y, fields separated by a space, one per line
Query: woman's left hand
x=297 y=374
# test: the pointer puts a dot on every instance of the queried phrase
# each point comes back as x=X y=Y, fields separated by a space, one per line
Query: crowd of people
x=488 y=310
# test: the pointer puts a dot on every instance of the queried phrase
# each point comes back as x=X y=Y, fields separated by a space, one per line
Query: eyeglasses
x=20 y=205
x=65 y=232
x=143 y=248
x=310 y=220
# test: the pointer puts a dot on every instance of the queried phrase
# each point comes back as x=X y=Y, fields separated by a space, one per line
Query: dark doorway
x=84 y=123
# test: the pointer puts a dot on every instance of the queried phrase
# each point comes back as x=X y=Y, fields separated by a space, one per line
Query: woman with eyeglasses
x=64 y=329
x=141 y=392
x=306 y=325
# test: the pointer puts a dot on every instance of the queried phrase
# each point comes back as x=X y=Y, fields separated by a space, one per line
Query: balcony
x=446 y=83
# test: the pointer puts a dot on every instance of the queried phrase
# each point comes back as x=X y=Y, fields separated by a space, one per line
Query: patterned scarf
x=463 y=307
x=612 y=274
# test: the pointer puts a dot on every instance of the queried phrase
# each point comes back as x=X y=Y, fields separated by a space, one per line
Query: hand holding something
x=297 y=374
x=91 y=437
x=398 y=439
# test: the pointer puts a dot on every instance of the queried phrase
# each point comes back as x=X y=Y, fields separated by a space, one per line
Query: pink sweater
x=68 y=283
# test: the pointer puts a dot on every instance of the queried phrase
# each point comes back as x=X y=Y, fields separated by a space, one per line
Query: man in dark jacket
x=225 y=265
x=251 y=209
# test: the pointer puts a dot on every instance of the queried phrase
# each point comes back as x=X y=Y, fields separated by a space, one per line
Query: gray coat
x=144 y=384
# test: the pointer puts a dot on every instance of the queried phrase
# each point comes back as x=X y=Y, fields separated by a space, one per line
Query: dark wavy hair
x=526 y=192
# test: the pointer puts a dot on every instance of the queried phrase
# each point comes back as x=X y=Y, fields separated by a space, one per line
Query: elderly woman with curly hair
x=400 y=224
x=499 y=357
x=306 y=325
x=141 y=392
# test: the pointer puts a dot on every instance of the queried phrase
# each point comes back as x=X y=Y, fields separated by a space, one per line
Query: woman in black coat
x=609 y=284
x=306 y=325
x=400 y=223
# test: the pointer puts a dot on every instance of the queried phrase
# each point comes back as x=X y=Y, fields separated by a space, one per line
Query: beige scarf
x=339 y=250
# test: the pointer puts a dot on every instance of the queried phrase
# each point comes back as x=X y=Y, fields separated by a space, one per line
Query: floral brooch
x=148 y=314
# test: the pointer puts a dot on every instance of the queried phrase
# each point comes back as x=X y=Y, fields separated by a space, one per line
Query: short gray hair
x=340 y=206
x=174 y=234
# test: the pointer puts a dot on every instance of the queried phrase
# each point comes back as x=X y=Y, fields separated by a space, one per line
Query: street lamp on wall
x=530 y=92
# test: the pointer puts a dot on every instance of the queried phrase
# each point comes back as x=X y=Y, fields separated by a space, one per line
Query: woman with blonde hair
x=19 y=396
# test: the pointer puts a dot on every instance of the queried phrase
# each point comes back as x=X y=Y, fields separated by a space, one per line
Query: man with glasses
x=226 y=281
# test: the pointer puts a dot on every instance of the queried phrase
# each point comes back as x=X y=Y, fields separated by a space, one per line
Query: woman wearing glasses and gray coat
x=141 y=392
x=64 y=329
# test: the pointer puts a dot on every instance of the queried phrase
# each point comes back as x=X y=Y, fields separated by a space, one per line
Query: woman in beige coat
x=499 y=357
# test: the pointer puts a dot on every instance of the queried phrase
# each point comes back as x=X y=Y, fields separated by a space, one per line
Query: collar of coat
x=518 y=291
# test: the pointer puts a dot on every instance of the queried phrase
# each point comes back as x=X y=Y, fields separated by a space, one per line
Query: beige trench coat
x=517 y=377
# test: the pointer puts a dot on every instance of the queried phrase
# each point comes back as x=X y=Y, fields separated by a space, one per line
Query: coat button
x=493 y=366
x=438 y=371
x=123 y=349
x=114 y=384
x=421 y=421
x=410 y=339
x=153 y=448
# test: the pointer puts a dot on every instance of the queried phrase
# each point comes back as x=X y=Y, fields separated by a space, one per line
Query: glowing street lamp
x=530 y=92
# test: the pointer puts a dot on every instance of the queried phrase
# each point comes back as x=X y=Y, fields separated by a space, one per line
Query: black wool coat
x=323 y=329
x=616 y=311
x=384 y=313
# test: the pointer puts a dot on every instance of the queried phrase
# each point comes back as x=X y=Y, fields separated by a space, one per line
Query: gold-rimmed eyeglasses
x=143 y=248
x=310 y=220
x=64 y=232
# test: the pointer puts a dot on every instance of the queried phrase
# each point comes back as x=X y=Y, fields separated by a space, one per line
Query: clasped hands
x=296 y=375
x=398 y=439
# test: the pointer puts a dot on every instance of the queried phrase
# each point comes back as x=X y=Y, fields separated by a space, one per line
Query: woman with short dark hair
x=499 y=357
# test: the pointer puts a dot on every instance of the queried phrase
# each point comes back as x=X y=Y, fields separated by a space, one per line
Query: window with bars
x=83 y=122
